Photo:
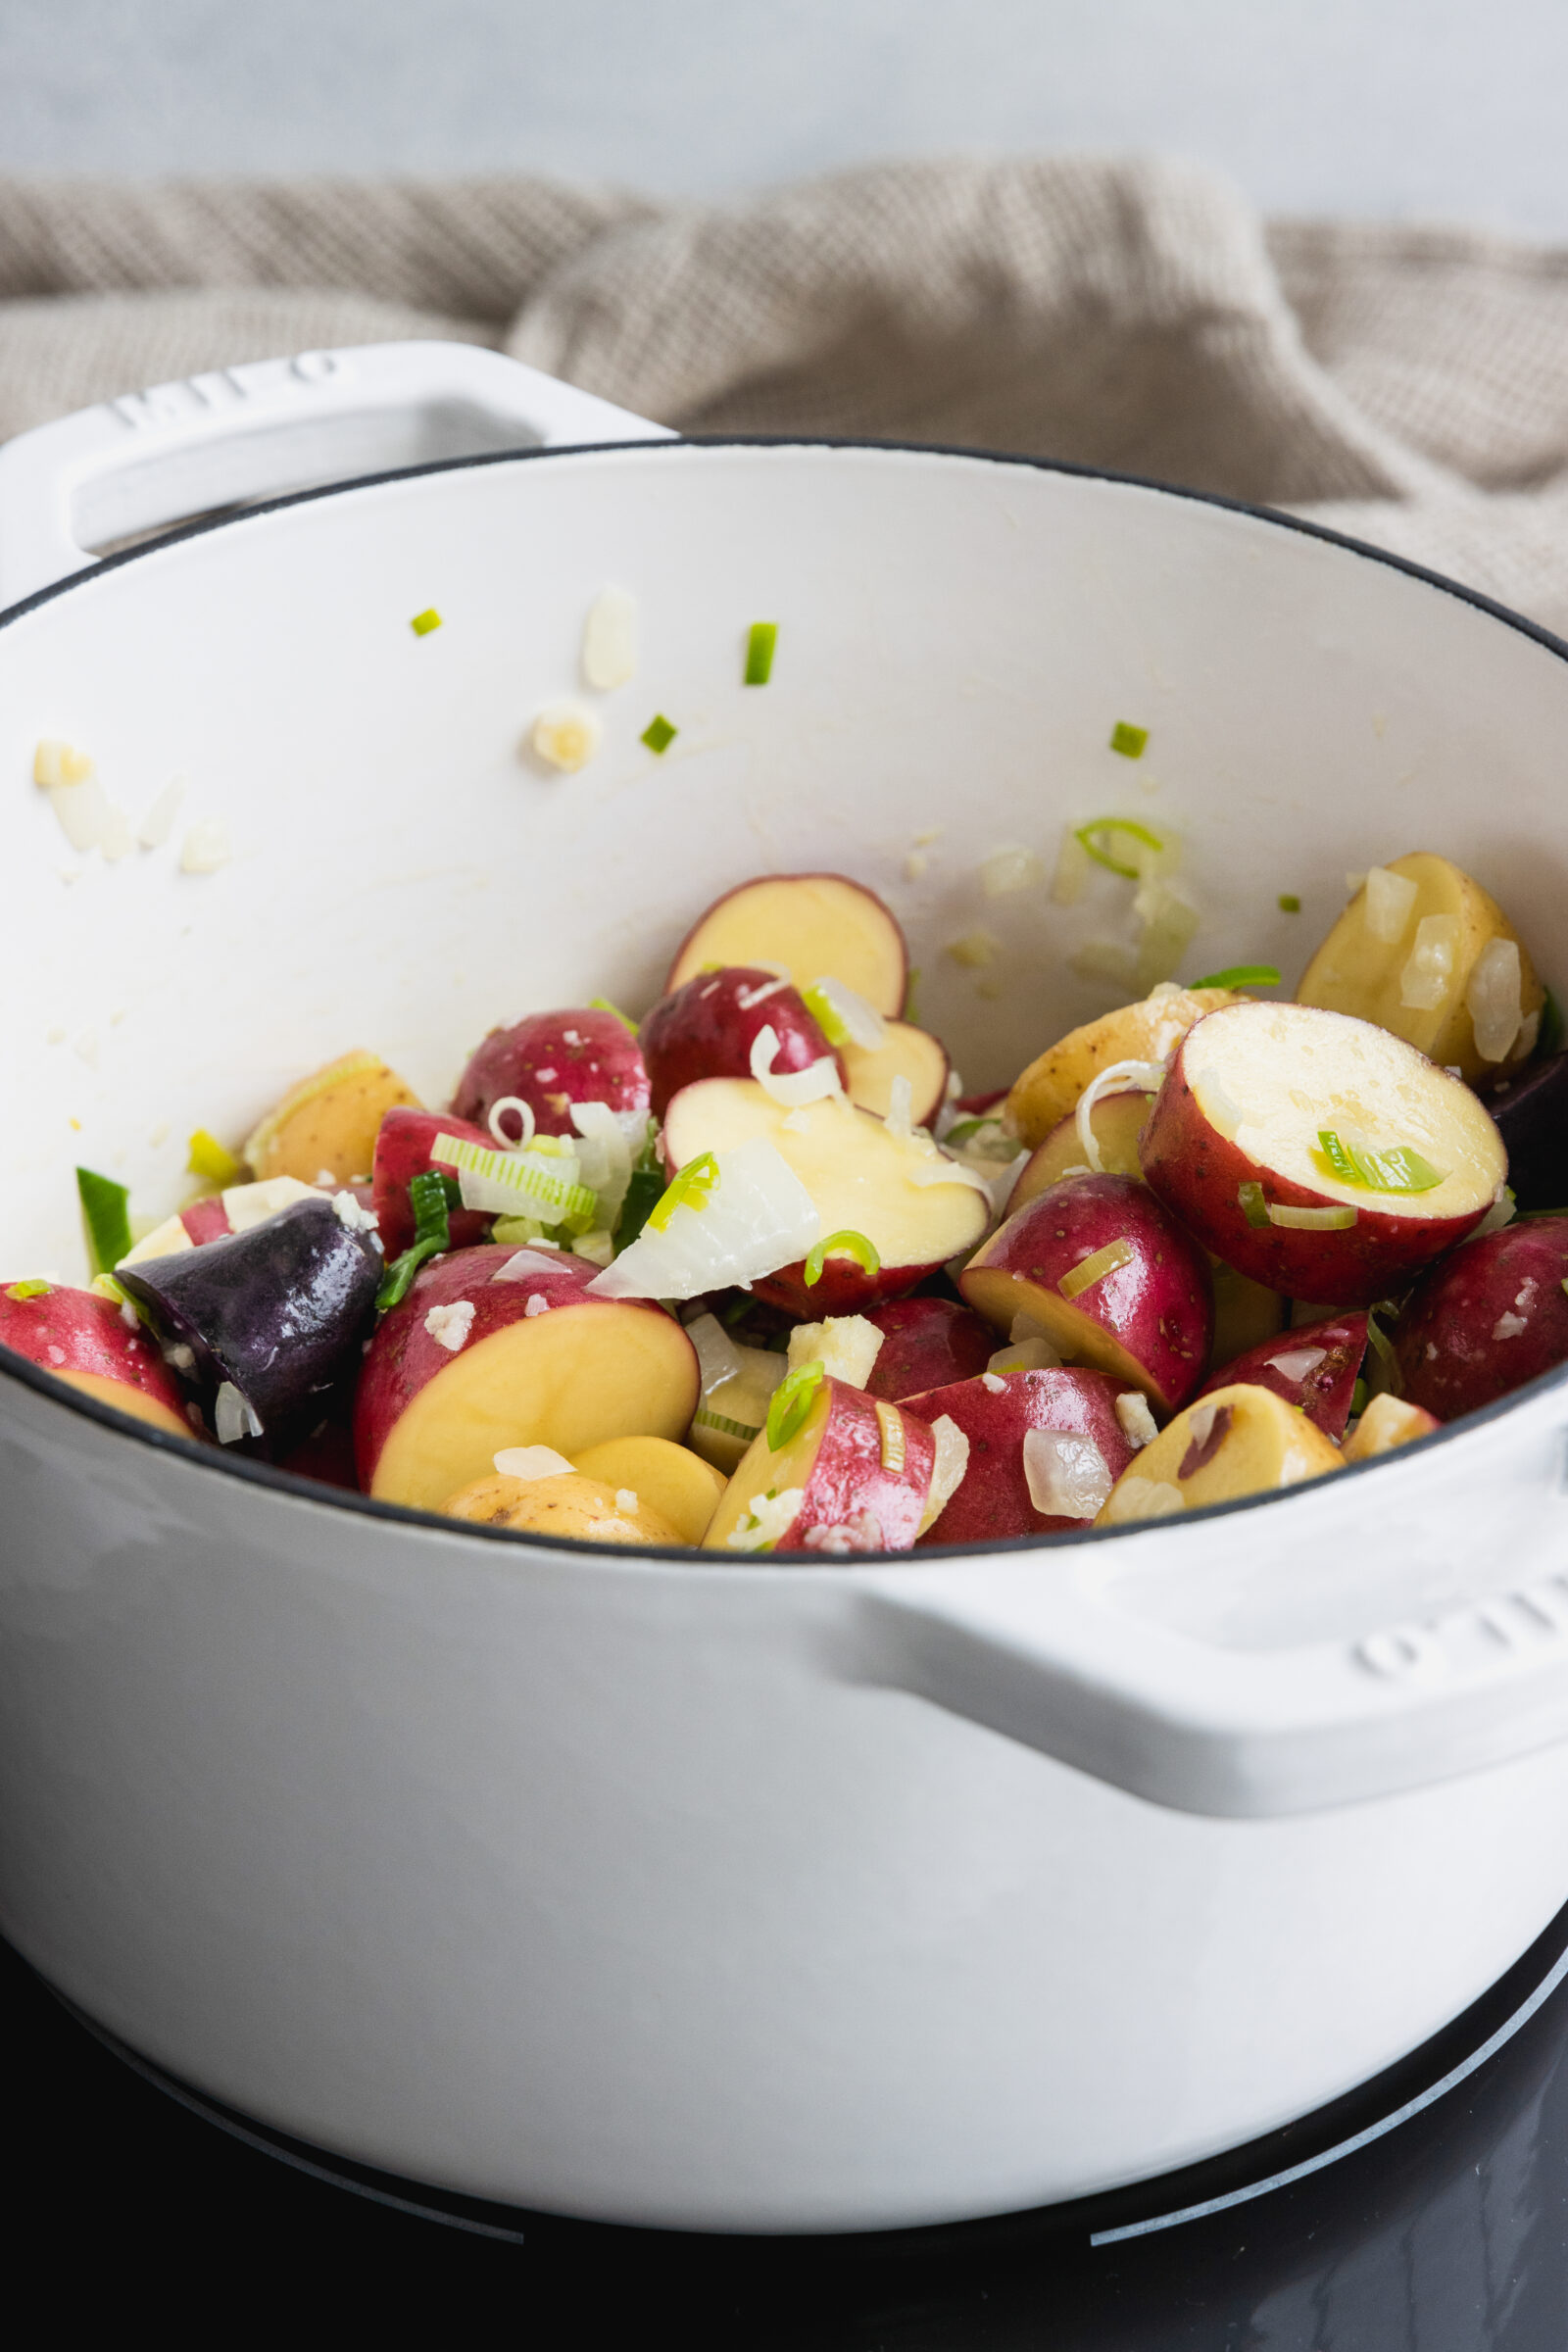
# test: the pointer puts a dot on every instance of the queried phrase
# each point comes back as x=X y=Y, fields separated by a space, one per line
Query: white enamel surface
x=639 y=1888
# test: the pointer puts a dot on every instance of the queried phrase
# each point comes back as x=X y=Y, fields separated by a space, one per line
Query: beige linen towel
x=1407 y=384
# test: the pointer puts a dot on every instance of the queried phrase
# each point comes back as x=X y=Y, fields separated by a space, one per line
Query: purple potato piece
x=1531 y=1115
x=278 y=1310
x=1490 y=1316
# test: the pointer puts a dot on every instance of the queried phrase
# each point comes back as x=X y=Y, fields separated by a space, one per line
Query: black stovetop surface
x=1446 y=2231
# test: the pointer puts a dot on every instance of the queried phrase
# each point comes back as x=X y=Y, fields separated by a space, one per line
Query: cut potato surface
x=908 y=1053
x=1408 y=954
x=1388 y=1422
x=1235 y=1145
x=1237 y=1441
x=590 y=1509
x=861 y=1177
x=1116 y=1122
x=853 y=1478
x=139 y=1403
x=327 y=1125
x=812 y=926
x=666 y=1479
x=1147 y=1031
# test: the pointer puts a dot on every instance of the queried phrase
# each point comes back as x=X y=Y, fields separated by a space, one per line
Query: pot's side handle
x=155 y=457
x=1045 y=1657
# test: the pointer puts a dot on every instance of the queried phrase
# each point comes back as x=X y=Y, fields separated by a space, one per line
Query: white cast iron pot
x=667 y=1889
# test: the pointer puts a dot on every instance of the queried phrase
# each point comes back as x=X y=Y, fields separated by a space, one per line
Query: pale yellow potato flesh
x=908 y=1053
x=327 y=1125
x=817 y=926
x=564 y=1505
x=742 y=1404
x=1356 y=973
x=1265 y=1444
x=667 y=1479
x=1148 y=1031
x=127 y=1399
x=1115 y=1120
x=762 y=1472
x=1388 y=1422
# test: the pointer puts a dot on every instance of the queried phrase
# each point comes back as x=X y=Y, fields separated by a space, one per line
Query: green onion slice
x=1128 y=739
x=31 y=1289
x=432 y=1197
x=1095 y=1268
x=423 y=622
x=1312 y=1220
x=689 y=1189
x=791 y=1402
x=845 y=1243
x=703 y=1419
x=104 y=1218
x=208 y=1158
x=1241 y=975
x=1288 y=903
x=659 y=734
x=603 y=1005
x=759 y=652
x=516 y=1173
x=1254 y=1207
x=1111 y=825
x=1400 y=1169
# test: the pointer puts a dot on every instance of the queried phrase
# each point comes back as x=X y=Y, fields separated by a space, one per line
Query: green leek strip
x=703 y=1419
x=208 y=1159
x=104 y=1285
x=689 y=1189
x=845 y=1243
x=759 y=652
x=1128 y=739
x=1359 y=1398
x=104 y=1219
x=1254 y=1207
x=432 y=1197
x=1085 y=835
x=1312 y=1220
x=1241 y=975
x=643 y=1196
x=791 y=1402
x=1399 y=1169
x=603 y=1005
x=1382 y=1347
x=511 y=1169
x=1288 y=903
x=822 y=1013
x=1095 y=1268
x=34 y=1289
x=1549 y=1036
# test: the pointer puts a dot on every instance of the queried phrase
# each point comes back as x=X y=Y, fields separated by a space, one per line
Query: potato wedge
x=564 y=1505
x=1380 y=964
x=1388 y=1422
x=668 y=1480
x=1236 y=1440
x=1050 y=1087
x=326 y=1125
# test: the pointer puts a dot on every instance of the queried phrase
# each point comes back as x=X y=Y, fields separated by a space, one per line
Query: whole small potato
x=568 y=1504
x=327 y=1125
x=1050 y=1087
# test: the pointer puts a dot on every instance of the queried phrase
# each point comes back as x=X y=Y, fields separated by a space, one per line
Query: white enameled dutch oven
x=665 y=1889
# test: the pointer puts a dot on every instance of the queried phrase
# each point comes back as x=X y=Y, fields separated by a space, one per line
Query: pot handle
x=151 y=459
x=1043 y=1647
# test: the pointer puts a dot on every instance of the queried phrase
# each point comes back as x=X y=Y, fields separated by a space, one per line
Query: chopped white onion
x=1119 y=1077
x=1169 y=922
x=1067 y=1475
x=994 y=1382
x=769 y=1519
x=1390 y=898
x=159 y=821
x=567 y=736
x=525 y=1112
x=861 y=1021
x=719 y=1358
x=234 y=1416
x=205 y=849
x=757 y=1217
x=1137 y=1421
x=450 y=1326
x=1008 y=870
x=531 y=1461
x=609 y=639
x=792 y=1088
x=747 y=999
x=1424 y=981
x=1492 y=999
x=527 y=1265
x=900 y=1118
x=1296 y=1362
x=604 y=1157
x=950 y=1467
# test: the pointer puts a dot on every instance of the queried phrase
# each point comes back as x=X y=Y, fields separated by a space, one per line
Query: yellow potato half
x=564 y=1505
x=1148 y=1031
x=1388 y=1422
x=1237 y=1441
x=667 y=1479
x=327 y=1125
x=1355 y=971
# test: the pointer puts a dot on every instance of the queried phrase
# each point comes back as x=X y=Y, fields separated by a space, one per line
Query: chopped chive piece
x=1289 y=903
x=32 y=1289
x=1549 y=1036
x=208 y=1158
x=1254 y=1207
x=847 y=1243
x=104 y=1219
x=759 y=652
x=688 y=1188
x=1359 y=1398
x=1086 y=836
x=659 y=734
x=1095 y=1267
x=791 y=1402
x=1128 y=740
x=423 y=622
x=603 y=1005
x=431 y=1195
x=104 y=1285
x=1397 y=1170
x=1241 y=975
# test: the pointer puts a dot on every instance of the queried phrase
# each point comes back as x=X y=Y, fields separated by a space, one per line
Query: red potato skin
x=975 y=1106
x=1447 y=1342
x=1158 y=1308
x=537 y=1060
x=1325 y=1393
x=403 y=1152
x=927 y=1344
x=68 y=1330
x=705 y=1031
x=993 y=1499
x=1197 y=1173
x=845 y=1288
x=889 y=1011
x=326 y=1457
x=848 y=1479
x=403 y=1355
x=206 y=1220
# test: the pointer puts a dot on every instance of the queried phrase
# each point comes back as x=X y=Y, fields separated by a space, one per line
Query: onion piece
x=753 y=1218
x=1296 y=1362
x=1069 y=1477
x=718 y=1359
x=792 y=1088
x=1118 y=1077
x=1424 y=981
x=1390 y=898
x=949 y=1466
x=525 y=1112
x=1137 y=1421
x=1492 y=999
x=848 y=1016
x=604 y=1157
x=531 y=1461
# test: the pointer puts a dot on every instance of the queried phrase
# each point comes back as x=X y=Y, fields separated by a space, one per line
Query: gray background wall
x=1377 y=107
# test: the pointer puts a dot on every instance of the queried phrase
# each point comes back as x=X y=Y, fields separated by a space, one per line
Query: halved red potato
x=589 y=1509
x=906 y=1053
x=927 y=1344
x=550 y=1060
x=1145 y=1311
x=1314 y=1368
x=86 y=1341
x=1388 y=1422
x=1148 y=1031
x=670 y=1480
x=1249 y=1092
x=706 y=1028
x=1486 y=1320
x=1117 y=1122
x=401 y=1152
x=1415 y=950
x=996 y=1414
x=538 y=1362
x=813 y=926
x=861 y=1178
x=1240 y=1441
x=326 y=1125
x=855 y=1477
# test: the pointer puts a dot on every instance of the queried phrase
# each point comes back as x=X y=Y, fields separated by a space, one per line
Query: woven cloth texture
x=1407 y=384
